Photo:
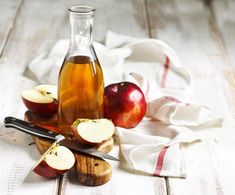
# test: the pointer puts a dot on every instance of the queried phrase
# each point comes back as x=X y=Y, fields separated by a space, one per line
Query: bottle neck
x=81 y=34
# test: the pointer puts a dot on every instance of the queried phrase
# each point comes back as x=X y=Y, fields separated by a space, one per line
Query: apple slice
x=41 y=100
x=55 y=161
x=93 y=132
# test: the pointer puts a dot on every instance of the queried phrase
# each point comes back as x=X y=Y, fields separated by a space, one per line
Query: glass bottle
x=81 y=83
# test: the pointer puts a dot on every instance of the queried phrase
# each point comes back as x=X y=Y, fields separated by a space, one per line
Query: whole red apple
x=124 y=104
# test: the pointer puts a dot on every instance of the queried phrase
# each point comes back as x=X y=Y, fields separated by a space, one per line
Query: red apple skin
x=124 y=104
x=42 y=109
x=44 y=170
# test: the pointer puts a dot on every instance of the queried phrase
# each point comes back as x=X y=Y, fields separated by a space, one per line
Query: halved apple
x=93 y=132
x=54 y=162
x=41 y=100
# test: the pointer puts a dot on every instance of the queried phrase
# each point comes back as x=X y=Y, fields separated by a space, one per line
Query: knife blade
x=49 y=135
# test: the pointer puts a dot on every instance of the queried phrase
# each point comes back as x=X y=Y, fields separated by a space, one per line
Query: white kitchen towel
x=46 y=66
x=156 y=151
x=155 y=145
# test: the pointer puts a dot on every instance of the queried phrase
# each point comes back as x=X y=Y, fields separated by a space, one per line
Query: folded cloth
x=155 y=145
x=46 y=67
x=156 y=151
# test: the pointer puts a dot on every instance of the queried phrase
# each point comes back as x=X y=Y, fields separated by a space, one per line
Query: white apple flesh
x=93 y=132
x=54 y=162
x=41 y=100
x=50 y=90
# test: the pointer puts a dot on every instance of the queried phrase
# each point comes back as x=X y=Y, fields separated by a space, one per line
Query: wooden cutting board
x=91 y=171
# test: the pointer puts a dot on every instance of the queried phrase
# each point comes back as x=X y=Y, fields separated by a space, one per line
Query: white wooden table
x=201 y=32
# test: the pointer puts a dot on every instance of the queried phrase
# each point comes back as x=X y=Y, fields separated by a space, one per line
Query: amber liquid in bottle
x=81 y=88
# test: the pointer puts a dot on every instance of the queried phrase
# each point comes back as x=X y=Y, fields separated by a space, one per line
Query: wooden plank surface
x=9 y=12
x=223 y=13
x=190 y=28
x=202 y=34
x=13 y=62
x=36 y=33
x=120 y=17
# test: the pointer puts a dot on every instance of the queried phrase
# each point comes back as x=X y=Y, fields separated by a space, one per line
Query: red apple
x=124 y=104
x=41 y=100
x=54 y=162
x=94 y=131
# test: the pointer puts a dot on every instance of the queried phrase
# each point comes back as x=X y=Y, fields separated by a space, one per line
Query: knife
x=49 y=135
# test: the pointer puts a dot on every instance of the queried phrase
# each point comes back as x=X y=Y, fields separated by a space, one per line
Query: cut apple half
x=54 y=162
x=93 y=131
x=41 y=94
x=41 y=100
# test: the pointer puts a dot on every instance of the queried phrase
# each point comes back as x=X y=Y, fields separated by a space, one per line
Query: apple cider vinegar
x=81 y=89
x=81 y=83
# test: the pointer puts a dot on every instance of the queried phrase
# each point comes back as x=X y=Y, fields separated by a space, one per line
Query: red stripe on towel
x=165 y=72
x=160 y=160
